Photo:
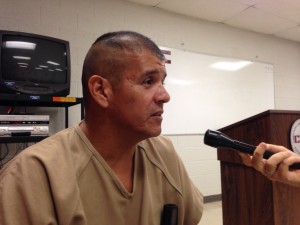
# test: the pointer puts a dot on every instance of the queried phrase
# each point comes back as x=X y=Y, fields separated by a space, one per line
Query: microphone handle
x=243 y=147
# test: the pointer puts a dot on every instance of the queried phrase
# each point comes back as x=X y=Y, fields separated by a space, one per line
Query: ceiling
x=280 y=18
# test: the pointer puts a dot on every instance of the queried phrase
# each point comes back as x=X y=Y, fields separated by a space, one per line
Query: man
x=111 y=168
x=275 y=168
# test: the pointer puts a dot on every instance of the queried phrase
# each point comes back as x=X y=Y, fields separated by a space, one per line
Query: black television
x=32 y=64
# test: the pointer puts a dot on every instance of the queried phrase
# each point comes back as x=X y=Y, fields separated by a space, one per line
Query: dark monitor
x=33 y=64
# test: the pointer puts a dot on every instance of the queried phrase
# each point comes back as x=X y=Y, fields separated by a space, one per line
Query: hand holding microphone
x=217 y=139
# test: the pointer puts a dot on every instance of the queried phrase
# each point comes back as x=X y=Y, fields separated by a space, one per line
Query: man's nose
x=162 y=94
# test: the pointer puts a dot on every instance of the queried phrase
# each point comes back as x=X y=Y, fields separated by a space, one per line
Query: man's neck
x=118 y=153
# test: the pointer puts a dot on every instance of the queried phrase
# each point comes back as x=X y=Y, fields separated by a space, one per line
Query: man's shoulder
x=56 y=151
x=55 y=145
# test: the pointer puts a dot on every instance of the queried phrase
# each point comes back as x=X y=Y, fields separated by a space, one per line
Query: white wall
x=81 y=21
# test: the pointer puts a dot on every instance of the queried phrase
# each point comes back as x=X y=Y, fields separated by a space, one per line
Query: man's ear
x=100 y=89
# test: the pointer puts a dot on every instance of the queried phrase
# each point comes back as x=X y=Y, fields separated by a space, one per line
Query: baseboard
x=212 y=198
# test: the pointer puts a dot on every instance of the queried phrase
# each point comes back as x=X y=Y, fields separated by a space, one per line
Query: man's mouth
x=159 y=113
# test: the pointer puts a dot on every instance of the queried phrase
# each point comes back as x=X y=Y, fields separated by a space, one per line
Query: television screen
x=34 y=64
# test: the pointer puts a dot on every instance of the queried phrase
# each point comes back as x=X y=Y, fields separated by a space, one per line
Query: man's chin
x=156 y=133
x=150 y=131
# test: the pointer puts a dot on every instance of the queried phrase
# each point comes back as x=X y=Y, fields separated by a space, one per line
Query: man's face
x=137 y=103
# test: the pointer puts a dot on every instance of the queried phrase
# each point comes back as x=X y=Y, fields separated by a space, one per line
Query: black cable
x=3 y=157
x=17 y=150
x=7 y=151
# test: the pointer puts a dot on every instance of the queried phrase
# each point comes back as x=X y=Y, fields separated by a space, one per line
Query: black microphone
x=169 y=215
x=217 y=139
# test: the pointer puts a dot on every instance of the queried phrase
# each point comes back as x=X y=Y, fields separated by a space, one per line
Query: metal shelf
x=21 y=139
x=37 y=101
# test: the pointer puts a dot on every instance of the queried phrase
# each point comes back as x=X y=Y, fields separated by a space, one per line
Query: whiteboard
x=203 y=97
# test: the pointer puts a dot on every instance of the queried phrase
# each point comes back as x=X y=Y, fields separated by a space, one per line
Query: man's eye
x=148 y=82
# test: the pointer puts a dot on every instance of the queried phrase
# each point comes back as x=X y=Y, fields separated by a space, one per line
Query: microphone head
x=217 y=139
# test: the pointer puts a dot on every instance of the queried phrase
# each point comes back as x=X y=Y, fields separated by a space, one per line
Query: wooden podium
x=248 y=197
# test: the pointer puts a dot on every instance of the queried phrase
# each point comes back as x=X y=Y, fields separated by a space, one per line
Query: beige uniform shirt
x=64 y=180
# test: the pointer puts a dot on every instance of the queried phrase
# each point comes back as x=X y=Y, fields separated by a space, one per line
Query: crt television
x=32 y=64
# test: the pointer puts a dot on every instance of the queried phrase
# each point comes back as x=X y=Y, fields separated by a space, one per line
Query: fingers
x=255 y=160
x=258 y=162
x=266 y=167
x=277 y=167
x=285 y=174
x=246 y=158
x=276 y=148
x=271 y=165
x=294 y=158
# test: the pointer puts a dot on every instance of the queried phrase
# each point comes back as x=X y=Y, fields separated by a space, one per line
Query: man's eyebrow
x=151 y=73
x=154 y=73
